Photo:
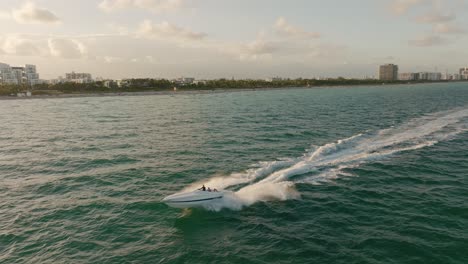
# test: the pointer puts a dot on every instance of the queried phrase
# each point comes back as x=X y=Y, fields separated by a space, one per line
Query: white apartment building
x=78 y=77
x=430 y=76
x=435 y=76
x=451 y=77
x=6 y=74
x=31 y=75
x=408 y=76
x=184 y=80
x=19 y=75
x=464 y=73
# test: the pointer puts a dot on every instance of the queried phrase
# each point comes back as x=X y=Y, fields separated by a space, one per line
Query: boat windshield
x=208 y=189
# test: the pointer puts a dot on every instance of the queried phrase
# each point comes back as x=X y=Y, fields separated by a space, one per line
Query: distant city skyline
x=241 y=39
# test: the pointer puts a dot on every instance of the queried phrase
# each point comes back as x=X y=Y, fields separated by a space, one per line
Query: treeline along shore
x=156 y=85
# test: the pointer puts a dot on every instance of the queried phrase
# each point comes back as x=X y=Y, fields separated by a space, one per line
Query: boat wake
x=276 y=180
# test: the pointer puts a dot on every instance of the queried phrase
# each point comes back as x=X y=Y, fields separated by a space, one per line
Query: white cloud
x=428 y=41
x=67 y=48
x=147 y=59
x=156 y=6
x=111 y=59
x=284 y=28
x=400 y=7
x=328 y=52
x=444 y=28
x=111 y=5
x=29 y=13
x=435 y=18
x=288 y=50
x=5 y=15
x=257 y=48
x=120 y=30
x=260 y=48
x=167 y=31
x=20 y=46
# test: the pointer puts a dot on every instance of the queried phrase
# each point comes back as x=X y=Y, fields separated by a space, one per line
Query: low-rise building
x=184 y=80
x=78 y=77
x=455 y=77
x=430 y=76
x=24 y=94
x=122 y=83
x=274 y=79
x=408 y=76
x=109 y=84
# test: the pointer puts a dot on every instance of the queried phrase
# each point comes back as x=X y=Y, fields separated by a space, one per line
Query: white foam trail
x=259 y=170
x=255 y=193
x=263 y=169
x=275 y=180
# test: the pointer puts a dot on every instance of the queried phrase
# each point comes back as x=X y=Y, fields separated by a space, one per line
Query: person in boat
x=209 y=189
x=203 y=188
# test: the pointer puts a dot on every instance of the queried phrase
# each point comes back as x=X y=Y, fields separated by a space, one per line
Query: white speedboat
x=191 y=199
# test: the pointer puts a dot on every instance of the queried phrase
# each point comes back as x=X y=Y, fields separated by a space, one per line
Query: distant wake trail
x=275 y=180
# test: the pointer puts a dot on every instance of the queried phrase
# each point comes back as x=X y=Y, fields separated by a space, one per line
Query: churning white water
x=276 y=180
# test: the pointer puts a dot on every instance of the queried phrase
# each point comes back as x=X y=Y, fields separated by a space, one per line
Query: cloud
x=111 y=59
x=444 y=28
x=327 y=51
x=111 y=5
x=147 y=59
x=67 y=48
x=120 y=30
x=435 y=18
x=29 y=13
x=428 y=41
x=165 y=30
x=257 y=48
x=385 y=58
x=20 y=46
x=400 y=7
x=285 y=29
x=5 y=15
x=260 y=48
x=156 y=6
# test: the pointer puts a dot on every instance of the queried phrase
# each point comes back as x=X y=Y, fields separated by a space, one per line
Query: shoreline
x=201 y=91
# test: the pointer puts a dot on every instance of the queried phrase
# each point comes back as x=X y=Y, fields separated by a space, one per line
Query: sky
x=209 y=39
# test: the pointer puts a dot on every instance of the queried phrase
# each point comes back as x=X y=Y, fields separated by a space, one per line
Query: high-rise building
x=30 y=74
x=464 y=73
x=19 y=75
x=6 y=74
x=388 y=72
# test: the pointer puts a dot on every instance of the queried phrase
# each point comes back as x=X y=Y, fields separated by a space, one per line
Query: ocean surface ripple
x=330 y=175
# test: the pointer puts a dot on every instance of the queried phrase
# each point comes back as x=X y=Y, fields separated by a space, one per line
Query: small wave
x=275 y=180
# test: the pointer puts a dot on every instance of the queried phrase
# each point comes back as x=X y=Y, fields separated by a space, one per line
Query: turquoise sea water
x=332 y=175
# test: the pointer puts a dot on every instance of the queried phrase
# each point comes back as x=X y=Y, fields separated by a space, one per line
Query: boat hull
x=193 y=199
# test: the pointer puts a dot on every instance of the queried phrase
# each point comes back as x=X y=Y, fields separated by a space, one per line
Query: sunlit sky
x=233 y=38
